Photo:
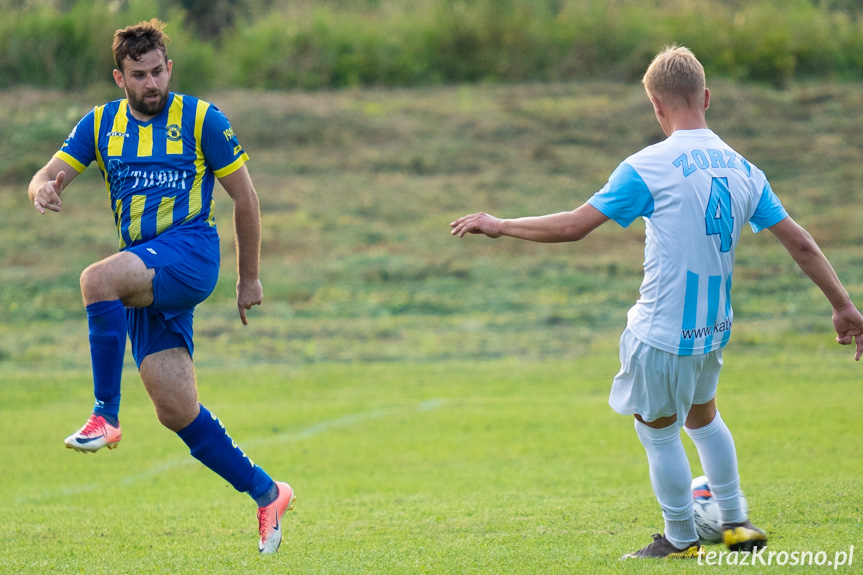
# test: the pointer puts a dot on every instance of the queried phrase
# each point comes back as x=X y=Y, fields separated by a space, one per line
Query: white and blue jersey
x=695 y=194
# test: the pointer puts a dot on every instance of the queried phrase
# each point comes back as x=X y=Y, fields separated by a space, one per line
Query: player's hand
x=48 y=196
x=848 y=323
x=480 y=223
x=249 y=293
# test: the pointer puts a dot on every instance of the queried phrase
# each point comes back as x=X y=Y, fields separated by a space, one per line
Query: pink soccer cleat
x=270 y=519
x=96 y=434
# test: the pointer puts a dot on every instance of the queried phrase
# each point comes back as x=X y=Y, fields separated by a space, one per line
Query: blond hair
x=675 y=77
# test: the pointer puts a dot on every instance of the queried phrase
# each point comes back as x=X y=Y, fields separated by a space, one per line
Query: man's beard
x=145 y=108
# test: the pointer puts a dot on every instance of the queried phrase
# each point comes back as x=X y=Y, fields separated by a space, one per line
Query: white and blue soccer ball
x=708 y=523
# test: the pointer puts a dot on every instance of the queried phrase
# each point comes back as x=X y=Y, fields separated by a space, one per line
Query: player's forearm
x=805 y=252
x=815 y=265
x=552 y=228
x=247 y=227
x=823 y=275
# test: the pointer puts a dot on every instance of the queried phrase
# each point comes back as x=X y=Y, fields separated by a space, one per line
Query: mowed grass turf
x=450 y=467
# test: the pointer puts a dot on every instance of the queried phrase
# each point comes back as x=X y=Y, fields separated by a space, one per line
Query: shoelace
x=94 y=424
x=265 y=515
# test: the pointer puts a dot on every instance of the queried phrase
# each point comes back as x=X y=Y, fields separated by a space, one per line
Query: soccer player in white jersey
x=695 y=194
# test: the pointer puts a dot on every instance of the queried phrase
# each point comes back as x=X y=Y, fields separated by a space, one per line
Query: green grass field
x=454 y=467
x=439 y=404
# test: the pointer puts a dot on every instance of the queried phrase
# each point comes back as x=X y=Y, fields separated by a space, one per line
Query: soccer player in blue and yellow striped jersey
x=160 y=172
x=160 y=154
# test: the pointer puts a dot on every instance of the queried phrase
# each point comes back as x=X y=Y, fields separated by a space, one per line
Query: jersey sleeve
x=222 y=150
x=625 y=197
x=769 y=211
x=79 y=149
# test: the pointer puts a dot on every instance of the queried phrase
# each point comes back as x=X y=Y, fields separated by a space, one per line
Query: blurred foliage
x=211 y=19
x=281 y=44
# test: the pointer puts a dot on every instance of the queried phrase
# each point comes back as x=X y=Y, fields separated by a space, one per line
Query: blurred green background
x=373 y=124
x=285 y=44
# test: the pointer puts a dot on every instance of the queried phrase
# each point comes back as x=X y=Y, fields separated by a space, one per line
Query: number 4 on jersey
x=719 y=219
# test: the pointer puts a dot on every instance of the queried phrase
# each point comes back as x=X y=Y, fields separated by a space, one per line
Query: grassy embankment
x=358 y=188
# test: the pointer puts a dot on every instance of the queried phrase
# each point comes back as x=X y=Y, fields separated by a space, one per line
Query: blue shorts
x=187 y=267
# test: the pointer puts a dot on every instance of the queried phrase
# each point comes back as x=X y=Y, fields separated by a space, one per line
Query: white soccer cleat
x=270 y=519
x=96 y=434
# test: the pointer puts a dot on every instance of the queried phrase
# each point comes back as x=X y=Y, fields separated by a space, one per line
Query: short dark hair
x=135 y=41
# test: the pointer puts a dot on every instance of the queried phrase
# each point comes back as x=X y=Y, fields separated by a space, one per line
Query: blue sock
x=107 y=320
x=210 y=444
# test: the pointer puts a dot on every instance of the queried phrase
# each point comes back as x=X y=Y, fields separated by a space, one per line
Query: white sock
x=719 y=460
x=671 y=478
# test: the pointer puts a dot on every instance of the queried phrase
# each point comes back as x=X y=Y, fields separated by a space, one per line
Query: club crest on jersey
x=173 y=132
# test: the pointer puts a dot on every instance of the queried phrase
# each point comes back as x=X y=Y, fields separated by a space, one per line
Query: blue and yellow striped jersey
x=159 y=174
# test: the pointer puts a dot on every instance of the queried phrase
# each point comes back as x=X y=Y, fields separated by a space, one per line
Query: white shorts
x=654 y=383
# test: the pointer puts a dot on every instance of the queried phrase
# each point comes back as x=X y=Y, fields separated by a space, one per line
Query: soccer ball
x=708 y=523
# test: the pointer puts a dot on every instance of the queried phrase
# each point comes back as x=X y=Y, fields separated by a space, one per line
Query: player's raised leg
x=107 y=287
x=169 y=378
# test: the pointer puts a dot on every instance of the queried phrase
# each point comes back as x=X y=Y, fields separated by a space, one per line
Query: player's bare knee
x=701 y=415
x=86 y=279
x=93 y=286
x=660 y=423
x=173 y=418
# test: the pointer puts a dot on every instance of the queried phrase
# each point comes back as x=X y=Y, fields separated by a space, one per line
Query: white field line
x=288 y=437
